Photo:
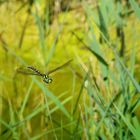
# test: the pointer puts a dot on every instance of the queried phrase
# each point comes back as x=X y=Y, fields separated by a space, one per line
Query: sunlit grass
x=95 y=97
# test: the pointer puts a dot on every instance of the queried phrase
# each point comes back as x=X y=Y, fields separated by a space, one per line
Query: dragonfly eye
x=50 y=80
x=47 y=79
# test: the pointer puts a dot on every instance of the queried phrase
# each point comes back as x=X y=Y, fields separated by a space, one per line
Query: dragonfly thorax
x=47 y=79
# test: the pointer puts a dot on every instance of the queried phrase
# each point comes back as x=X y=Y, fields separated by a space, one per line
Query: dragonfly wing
x=26 y=72
x=59 y=67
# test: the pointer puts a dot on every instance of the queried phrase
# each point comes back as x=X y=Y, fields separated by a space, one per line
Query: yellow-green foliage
x=29 y=108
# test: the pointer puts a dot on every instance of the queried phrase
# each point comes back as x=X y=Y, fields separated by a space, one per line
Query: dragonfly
x=45 y=76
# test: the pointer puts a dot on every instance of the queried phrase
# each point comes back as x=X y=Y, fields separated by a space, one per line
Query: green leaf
x=135 y=7
x=128 y=124
x=53 y=97
x=99 y=57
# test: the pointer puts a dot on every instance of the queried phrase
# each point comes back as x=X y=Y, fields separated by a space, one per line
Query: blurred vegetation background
x=96 y=96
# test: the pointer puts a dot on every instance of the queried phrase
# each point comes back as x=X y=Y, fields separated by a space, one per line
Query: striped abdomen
x=35 y=70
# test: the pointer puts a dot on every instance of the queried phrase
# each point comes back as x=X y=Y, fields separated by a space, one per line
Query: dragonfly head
x=47 y=79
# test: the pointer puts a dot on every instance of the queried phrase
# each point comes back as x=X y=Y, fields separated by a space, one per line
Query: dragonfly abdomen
x=35 y=70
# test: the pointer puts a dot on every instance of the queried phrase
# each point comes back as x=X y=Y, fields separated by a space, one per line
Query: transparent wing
x=59 y=67
x=33 y=71
x=27 y=72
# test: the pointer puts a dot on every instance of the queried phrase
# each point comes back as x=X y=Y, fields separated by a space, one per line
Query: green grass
x=95 y=97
